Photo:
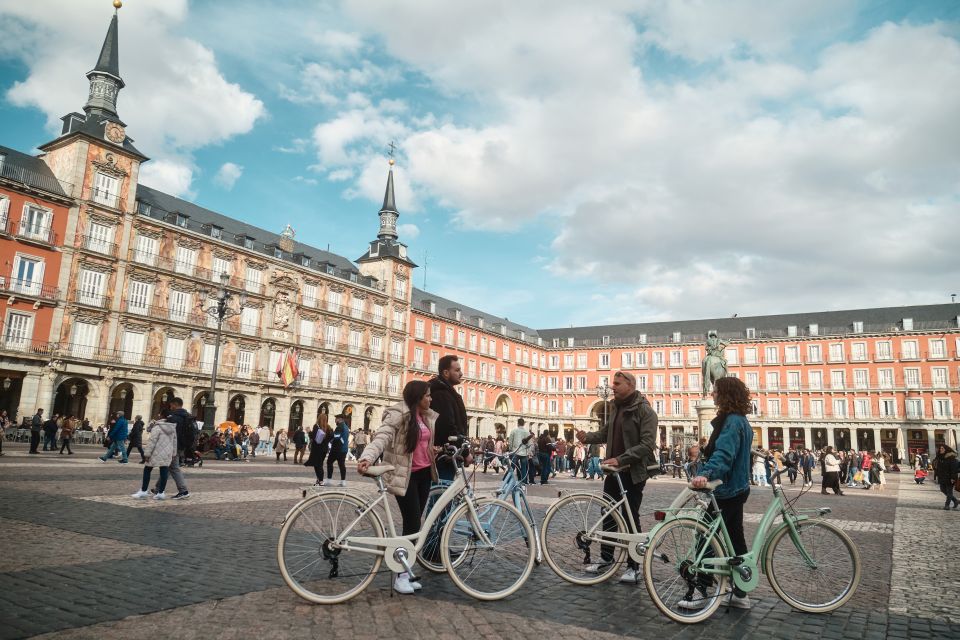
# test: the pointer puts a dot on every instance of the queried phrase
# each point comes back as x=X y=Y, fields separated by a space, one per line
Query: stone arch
x=72 y=396
x=323 y=414
x=347 y=412
x=121 y=399
x=369 y=417
x=296 y=415
x=503 y=405
x=596 y=411
x=237 y=409
x=268 y=412
x=161 y=401
x=200 y=400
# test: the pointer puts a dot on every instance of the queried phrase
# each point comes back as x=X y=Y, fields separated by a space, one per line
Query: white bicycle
x=332 y=544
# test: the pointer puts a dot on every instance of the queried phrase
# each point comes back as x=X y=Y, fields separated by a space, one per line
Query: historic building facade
x=132 y=284
x=107 y=287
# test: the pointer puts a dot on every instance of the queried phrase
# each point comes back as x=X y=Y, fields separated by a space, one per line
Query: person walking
x=338 y=448
x=36 y=426
x=831 y=472
x=727 y=457
x=448 y=404
x=50 y=433
x=630 y=433
x=161 y=449
x=578 y=457
x=759 y=468
x=519 y=438
x=791 y=461
x=488 y=449
x=404 y=440
x=66 y=434
x=320 y=438
x=360 y=441
x=946 y=465
x=544 y=448
x=280 y=444
x=299 y=444
x=807 y=463
x=185 y=428
x=136 y=438
x=254 y=442
x=117 y=437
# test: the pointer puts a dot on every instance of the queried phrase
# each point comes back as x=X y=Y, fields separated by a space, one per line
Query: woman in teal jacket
x=728 y=459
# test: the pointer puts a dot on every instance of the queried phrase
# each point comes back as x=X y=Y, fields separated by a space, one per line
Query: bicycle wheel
x=497 y=550
x=820 y=577
x=429 y=554
x=572 y=552
x=669 y=571
x=311 y=564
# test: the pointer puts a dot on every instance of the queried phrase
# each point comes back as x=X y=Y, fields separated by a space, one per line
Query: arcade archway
x=121 y=399
x=161 y=402
x=71 y=398
x=237 y=409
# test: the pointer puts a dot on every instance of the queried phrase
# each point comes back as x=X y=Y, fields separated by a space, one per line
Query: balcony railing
x=28 y=288
x=104 y=197
x=32 y=232
x=92 y=298
x=99 y=245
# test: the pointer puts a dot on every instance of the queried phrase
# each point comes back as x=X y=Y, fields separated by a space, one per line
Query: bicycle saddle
x=378 y=470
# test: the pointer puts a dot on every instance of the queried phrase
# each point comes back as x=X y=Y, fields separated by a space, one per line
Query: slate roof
x=109 y=60
x=875 y=320
x=200 y=220
x=468 y=315
x=93 y=125
x=29 y=170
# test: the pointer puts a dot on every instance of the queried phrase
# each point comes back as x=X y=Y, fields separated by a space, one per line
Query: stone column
x=932 y=443
x=45 y=392
x=830 y=438
x=876 y=438
x=30 y=399
x=281 y=416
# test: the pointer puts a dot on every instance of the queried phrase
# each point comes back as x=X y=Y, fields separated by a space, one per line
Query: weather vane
x=392 y=151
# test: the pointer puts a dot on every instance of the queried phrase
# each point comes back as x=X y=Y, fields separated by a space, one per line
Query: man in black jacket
x=452 y=420
x=186 y=433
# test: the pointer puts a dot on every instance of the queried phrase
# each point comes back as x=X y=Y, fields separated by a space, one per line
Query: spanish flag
x=287 y=369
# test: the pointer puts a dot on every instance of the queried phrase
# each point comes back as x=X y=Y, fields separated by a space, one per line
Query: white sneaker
x=598 y=567
x=343 y=483
x=401 y=584
x=140 y=495
x=738 y=602
x=693 y=605
x=630 y=576
x=322 y=483
x=415 y=584
x=160 y=496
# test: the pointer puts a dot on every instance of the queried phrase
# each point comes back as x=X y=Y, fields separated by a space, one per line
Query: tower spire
x=105 y=80
x=388 y=212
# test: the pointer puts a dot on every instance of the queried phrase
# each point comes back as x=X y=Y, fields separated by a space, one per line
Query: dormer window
x=813 y=329
x=248 y=242
x=353 y=277
x=144 y=208
x=751 y=333
x=480 y=322
x=3 y=158
x=522 y=335
x=277 y=252
x=304 y=261
x=330 y=269
x=503 y=329
x=908 y=324
x=456 y=314
x=676 y=336
x=216 y=232
x=642 y=338
x=570 y=341
x=605 y=341
x=180 y=220
x=858 y=327
x=792 y=331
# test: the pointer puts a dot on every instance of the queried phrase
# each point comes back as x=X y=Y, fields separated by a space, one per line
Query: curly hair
x=732 y=396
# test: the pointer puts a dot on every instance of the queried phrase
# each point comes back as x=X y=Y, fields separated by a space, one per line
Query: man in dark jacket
x=136 y=438
x=630 y=432
x=36 y=425
x=117 y=436
x=50 y=433
x=452 y=420
x=186 y=433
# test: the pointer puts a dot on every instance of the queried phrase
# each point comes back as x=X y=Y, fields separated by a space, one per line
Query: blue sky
x=562 y=163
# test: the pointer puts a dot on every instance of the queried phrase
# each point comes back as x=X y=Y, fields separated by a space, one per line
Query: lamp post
x=603 y=392
x=220 y=312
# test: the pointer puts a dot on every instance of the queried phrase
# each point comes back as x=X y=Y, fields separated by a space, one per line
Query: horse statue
x=714 y=364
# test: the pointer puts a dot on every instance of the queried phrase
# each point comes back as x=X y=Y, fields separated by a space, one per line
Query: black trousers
x=634 y=498
x=318 y=468
x=340 y=457
x=138 y=447
x=414 y=500
x=34 y=441
x=731 y=510
x=65 y=444
x=831 y=480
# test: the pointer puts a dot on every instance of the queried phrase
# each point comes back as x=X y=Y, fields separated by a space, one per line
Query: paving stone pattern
x=217 y=575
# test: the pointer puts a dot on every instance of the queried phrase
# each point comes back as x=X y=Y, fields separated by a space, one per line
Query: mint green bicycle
x=810 y=563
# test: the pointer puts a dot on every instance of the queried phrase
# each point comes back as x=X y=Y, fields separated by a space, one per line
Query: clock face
x=115 y=133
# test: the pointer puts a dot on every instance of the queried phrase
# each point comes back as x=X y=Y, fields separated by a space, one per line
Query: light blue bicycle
x=511 y=490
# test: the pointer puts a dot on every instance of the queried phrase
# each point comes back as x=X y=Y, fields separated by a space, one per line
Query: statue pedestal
x=706 y=411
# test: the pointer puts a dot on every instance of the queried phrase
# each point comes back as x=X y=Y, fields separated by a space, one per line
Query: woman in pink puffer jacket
x=159 y=451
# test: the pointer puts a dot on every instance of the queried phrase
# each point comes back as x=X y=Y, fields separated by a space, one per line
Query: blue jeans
x=544 y=467
x=593 y=467
x=521 y=462
x=115 y=447
x=50 y=441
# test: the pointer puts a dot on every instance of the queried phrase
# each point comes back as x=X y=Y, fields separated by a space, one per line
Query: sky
x=558 y=162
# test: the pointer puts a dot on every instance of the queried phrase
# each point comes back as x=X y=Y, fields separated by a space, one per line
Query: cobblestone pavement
x=82 y=560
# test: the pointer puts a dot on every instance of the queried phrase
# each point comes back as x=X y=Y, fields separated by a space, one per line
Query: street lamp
x=219 y=312
x=603 y=392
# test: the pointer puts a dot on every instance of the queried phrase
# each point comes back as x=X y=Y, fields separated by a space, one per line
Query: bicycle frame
x=399 y=551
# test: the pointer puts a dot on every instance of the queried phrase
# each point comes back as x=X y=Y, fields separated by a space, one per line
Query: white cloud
x=228 y=174
x=176 y=99
x=408 y=232
x=770 y=178
x=170 y=176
